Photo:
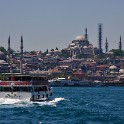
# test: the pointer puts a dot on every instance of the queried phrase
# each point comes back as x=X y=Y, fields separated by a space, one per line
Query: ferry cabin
x=33 y=87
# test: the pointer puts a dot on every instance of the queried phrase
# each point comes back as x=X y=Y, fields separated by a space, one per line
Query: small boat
x=20 y=86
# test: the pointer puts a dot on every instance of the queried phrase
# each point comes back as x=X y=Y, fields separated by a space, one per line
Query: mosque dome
x=80 y=37
x=121 y=70
x=76 y=47
x=72 y=44
x=112 y=67
x=48 y=54
x=2 y=61
x=85 y=47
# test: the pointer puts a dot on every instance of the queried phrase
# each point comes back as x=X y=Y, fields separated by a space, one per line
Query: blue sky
x=55 y=23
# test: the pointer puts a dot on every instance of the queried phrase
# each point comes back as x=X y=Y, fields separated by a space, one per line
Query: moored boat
x=65 y=82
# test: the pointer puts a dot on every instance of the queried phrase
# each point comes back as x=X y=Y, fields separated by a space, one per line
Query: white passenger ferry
x=32 y=87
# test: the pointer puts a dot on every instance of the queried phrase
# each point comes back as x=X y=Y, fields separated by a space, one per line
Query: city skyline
x=47 y=25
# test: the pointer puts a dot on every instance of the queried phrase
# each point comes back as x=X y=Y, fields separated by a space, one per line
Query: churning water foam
x=27 y=102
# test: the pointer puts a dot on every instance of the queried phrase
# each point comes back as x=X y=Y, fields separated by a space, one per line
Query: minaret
x=21 y=55
x=120 y=44
x=100 y=37
x=9 y=50
x=106 y=46
x=86 y=35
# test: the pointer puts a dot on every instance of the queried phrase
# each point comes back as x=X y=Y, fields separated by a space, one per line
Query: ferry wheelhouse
x=33 y=87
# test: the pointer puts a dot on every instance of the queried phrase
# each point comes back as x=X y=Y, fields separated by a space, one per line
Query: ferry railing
x=24 y=82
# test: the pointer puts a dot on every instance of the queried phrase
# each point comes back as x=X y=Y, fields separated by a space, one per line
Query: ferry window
x=17 y=78
x=26 y=78
x=39 y=89
x=6 y=88
x=44 y=88
x=9 y=78
x=35 y=89
x=18 y=89
x=38 y=78
x=25 y=89
x=30 y=89
x=0 y=88
x=33 y=78
x=42 y=79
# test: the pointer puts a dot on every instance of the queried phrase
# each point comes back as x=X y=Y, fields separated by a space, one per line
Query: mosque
x=81 y=45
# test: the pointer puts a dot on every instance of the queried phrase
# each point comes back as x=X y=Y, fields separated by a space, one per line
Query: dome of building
x=71 y=48
x=112 y=67
x=72 y=44
x=48 y=54
x=56 y=51
x=85 y=47
x=76 y=47
x=121 y=70
x=80 y=38
x=2 y=61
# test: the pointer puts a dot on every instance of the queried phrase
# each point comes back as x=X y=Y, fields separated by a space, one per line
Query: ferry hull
x=15 y=95
x=26 y=96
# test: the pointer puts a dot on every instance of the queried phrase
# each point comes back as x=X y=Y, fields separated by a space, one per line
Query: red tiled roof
x=102 y=66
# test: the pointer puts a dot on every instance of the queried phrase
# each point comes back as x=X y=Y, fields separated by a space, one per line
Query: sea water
x=68 y=105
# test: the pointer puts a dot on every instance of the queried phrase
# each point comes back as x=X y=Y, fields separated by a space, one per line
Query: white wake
x=28 y=103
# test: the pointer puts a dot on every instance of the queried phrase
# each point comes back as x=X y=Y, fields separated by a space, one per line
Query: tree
x=57 y=48
x=79 y=55
x=101 y=56
x=2 y=49
x=52 y=50
x=11 y=51
x=46 y=52
x=64 y=53
x=117 y=52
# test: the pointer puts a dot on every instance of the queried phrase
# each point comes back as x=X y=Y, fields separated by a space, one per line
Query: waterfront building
x=4 y=67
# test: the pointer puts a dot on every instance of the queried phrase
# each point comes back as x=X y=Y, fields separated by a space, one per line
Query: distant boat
x=32 y=87
x=60 y=82
x=65 y=82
